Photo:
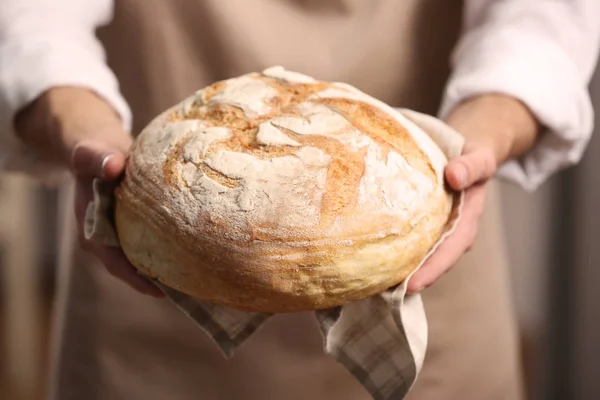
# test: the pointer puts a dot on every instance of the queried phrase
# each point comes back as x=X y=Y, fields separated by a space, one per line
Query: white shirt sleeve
x=46 y=43
x=542 y=52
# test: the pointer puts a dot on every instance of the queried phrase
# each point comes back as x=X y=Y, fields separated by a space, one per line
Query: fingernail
x=105 y=161
x=460 y=172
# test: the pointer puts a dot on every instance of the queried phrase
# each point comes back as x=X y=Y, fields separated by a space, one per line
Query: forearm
x=543 y=53
x=50 y=45
x=501 y=123
x=64 y=116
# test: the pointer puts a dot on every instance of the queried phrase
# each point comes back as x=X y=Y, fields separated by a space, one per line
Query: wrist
x=499 y=122
x=61 y=117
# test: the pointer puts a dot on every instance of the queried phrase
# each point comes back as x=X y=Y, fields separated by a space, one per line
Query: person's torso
x=396 y=50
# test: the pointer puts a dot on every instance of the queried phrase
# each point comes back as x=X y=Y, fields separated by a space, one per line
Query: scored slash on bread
x=275 y=192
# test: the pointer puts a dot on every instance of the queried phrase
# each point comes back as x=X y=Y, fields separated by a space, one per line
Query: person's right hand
x=77 y=129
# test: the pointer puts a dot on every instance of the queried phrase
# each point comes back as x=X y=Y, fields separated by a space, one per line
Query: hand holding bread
x=74 y=127
x=496 y=128
x=275 y=192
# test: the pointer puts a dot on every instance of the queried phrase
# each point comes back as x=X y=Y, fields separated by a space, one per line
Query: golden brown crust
x=275 y=195
x=384 y=129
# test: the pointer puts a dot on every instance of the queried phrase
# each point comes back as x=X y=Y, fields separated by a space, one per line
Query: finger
x=470 y=168
x=117 y=264
x=454 y=246
x=442 y=260
x=113 y=259
x=94 y=160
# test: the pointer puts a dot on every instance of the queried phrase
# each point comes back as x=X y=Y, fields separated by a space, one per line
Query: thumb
x=93 y=159
x=470 y=168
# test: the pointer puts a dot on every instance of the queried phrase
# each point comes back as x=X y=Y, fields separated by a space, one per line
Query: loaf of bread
x=275 y=192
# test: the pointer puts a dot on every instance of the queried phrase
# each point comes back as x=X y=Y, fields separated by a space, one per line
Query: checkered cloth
x=380 y=340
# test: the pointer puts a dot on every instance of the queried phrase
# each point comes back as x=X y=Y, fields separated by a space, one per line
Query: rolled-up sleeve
x=542 y=52
x=43 y=44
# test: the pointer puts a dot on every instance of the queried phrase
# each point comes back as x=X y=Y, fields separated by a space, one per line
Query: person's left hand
x=495 y=128
x=469 y=172
x=75 y=128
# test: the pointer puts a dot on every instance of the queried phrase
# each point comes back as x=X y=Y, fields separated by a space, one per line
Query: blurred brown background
x=553 y=237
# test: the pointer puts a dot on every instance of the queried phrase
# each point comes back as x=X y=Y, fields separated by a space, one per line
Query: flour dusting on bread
x=264 y=165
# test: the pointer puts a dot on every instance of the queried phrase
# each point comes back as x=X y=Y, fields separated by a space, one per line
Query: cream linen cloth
x=380 y=340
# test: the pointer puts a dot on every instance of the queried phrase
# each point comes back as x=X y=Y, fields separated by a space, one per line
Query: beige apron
x=112 y=343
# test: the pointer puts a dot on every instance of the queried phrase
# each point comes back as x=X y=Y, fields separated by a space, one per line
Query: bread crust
x=273 y=192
